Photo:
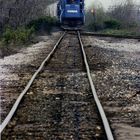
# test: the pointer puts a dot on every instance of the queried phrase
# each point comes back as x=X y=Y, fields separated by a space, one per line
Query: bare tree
x=20 y=12
x=124 y=12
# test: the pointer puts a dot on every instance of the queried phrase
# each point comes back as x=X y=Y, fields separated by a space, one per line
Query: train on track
x=71 y=13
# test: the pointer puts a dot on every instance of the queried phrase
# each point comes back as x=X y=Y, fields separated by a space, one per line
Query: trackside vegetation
x=19 y=35
x=23 y=34
x=43 y=24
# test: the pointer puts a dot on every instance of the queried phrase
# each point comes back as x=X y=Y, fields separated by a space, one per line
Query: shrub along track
x=59 y=104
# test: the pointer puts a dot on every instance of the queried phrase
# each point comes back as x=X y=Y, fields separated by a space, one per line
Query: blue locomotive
x=71 y=12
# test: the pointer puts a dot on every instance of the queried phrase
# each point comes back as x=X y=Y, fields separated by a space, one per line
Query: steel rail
x=107 y=35
x=97 y=101
x=16 y=104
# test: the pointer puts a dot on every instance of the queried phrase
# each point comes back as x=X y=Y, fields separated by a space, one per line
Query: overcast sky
x=106 y=3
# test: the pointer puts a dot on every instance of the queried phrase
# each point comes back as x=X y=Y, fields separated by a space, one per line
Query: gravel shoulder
x=115 y=65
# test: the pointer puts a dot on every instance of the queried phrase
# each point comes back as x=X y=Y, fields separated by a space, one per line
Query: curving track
x=58 y=104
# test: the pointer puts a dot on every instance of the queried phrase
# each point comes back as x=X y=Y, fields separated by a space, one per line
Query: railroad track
x=56 y=103
x=84 y=33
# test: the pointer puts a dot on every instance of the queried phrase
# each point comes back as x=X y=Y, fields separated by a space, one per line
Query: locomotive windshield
x=72 y=1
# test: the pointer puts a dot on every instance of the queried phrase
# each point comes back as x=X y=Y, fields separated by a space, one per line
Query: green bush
x=23 y=34
x=43 y=23
x=112 y=24
x=8 y=35
x=96 y=26
x=19 y=35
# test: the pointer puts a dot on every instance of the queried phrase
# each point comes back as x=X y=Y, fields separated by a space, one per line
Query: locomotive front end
x=72 y=12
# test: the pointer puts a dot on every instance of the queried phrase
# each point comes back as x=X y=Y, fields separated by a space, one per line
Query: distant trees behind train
x=124 y=15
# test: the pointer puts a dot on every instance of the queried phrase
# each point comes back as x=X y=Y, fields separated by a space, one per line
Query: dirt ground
x=115 y=65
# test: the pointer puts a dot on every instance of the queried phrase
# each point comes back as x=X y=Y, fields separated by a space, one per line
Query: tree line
x=20 y=12
x=118 y=16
